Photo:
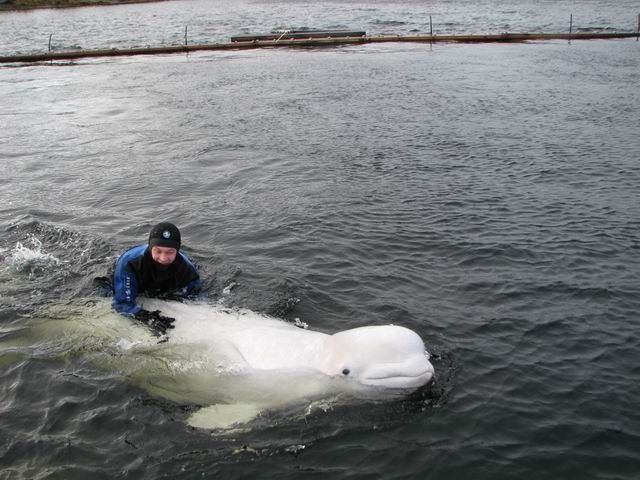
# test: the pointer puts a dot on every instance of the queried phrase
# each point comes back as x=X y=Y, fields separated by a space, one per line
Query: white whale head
x=384 y=357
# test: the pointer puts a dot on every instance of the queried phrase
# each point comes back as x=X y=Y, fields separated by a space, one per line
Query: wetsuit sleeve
x=192 y=289
x=125 y=287
x=190 y=279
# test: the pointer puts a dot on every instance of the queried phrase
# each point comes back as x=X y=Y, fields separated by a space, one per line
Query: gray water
x=485 y=196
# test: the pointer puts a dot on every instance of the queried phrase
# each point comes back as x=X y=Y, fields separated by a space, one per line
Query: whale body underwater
x=236 y=364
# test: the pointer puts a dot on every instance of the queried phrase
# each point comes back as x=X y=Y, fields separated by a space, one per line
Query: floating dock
x=311 y=42
x=299 y=34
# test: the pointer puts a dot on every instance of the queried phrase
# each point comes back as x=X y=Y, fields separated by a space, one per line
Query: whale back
x=250 y=340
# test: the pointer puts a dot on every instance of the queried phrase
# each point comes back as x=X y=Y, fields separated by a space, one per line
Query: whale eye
x=345 y=371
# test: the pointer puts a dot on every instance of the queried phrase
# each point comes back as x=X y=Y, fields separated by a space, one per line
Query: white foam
x=299 y=323
x=228 y=288
x=30 y=254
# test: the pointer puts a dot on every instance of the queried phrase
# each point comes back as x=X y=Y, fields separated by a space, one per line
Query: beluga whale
x=231 y=366
x=276 y=363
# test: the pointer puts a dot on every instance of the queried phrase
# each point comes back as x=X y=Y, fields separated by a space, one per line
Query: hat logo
x=166 y=234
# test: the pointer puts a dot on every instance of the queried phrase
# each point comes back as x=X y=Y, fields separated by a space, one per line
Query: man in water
x=156 y=268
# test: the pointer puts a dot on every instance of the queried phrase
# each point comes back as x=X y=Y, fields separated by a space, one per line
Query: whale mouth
x=399 y=382
x=395 y=377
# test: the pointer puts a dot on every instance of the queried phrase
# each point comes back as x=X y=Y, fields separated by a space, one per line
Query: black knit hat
x=165 y=234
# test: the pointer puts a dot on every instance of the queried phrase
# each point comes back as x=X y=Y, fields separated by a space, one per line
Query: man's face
x=163 y=255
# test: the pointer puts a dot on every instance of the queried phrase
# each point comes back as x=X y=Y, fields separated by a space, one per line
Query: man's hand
x=156 y=321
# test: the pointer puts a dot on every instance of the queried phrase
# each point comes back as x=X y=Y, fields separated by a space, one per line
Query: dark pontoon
x=298 y=34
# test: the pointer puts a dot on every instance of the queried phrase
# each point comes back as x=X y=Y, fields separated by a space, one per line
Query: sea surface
x=486 y=196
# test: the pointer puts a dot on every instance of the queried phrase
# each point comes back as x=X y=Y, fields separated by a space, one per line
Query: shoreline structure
x=345 y=37
x=313 y=42
x=26 y=5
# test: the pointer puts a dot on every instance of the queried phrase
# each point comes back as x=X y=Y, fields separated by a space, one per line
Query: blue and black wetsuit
x=136 y=272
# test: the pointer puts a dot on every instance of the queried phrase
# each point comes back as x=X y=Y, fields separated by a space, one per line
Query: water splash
x=30 y=257
x=299 y=323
